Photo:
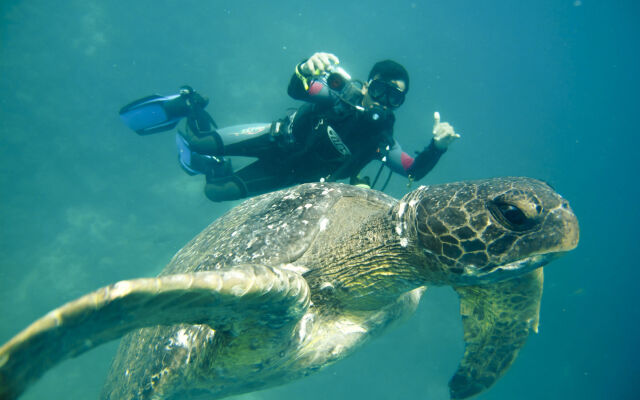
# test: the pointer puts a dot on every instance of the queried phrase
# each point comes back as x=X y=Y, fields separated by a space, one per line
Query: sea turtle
x=289 y=282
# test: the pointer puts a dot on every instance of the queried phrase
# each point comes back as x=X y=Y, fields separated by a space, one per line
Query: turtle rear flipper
x=233 y=299
x=496 y=320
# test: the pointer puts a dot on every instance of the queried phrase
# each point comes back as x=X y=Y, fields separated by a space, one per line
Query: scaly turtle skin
x=291 y=281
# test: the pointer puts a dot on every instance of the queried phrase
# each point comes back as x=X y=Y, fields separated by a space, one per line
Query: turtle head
x=487 y=231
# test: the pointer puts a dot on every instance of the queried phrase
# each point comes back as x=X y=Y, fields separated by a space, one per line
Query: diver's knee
x=203 y=142
x=224 y=189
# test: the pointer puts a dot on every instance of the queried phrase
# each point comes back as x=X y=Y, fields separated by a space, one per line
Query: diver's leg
x=249 y=140
x=257 y=178
x=201 y=137
x=200 y=151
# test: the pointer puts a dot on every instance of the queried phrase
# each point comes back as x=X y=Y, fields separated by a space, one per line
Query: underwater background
x=547 y=89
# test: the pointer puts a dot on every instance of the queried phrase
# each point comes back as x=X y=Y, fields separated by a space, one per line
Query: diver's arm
x=402 y=163
x=425 y=161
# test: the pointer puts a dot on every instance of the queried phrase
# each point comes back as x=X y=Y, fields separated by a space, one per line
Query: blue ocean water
x=546 y=89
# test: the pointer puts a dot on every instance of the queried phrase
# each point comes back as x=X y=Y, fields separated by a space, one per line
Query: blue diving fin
x=155 y=113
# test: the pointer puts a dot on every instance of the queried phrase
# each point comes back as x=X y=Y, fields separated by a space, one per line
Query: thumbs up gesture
x=443 y=133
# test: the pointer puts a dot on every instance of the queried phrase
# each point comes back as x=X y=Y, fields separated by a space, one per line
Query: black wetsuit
x=366 y=138
x=326 y=138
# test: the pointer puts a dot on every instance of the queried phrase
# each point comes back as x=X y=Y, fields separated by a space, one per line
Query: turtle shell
x=271 y=229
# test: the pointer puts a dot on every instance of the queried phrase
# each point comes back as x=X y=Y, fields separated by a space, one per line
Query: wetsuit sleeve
x=402 y=163
x=308 y=89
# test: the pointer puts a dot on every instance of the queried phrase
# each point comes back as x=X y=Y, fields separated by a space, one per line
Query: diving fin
x=155 y=113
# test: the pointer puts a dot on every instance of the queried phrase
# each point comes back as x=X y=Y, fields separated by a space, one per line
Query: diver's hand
x=443 y=133
x=318 y=63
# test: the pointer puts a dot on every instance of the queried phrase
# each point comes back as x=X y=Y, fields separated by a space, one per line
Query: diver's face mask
x=385 y=93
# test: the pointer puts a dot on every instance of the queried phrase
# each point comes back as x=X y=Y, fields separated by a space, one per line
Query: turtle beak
x=571 y=227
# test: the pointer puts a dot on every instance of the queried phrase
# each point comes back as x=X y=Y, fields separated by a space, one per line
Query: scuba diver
x=343 y=125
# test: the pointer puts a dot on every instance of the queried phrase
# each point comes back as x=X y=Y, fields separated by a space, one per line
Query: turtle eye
x=511 y=216
x=516 y=210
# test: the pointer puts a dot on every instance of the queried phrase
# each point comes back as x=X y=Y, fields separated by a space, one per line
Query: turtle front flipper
x=496 y=320
x=226 y=299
